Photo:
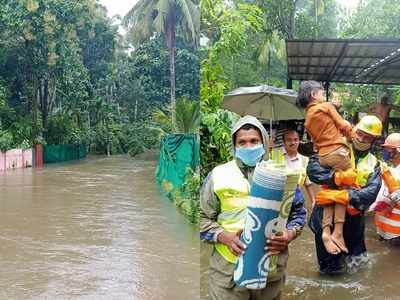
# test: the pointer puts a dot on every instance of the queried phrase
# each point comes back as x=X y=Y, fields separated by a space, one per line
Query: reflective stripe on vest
x=278 y=157
x=232 y=189
x=365 y=167
x=388 y=223
x=303 y=173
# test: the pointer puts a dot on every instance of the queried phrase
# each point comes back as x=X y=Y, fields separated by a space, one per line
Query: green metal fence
x=178 y=152
x=60 y=153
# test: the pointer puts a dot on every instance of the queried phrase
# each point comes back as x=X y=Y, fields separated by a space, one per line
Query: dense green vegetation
x=245 y=47
x=383 y=22
x=169 y=18
x=67 y=76
x=177 y=23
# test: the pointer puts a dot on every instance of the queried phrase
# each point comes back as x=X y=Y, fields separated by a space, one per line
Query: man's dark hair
x=385 y=99
x=289 y=131
x=247 y=127
x=305 y=91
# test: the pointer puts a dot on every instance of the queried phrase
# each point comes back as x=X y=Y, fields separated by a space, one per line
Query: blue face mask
x=386 y=155
x=250 y=156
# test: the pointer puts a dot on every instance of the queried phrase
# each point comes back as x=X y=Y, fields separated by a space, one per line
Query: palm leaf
x=271 y=45
x=187 y=116
x=139 y=21
x=190 y=17
x=263 y=52
x=149 y=16
x=320 y=7
x=164 y=10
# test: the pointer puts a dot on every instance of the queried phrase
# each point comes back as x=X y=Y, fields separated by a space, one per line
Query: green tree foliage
x=263 y=61
x=358 y=98
x=66 y=77
x=226 y=29
x=383 y=22
x=246 y=48
x=316 y=19
x=382 y=16
x=142 y=86
x=280 y=16
x=49 y=54
x=3 y=94
x=186 y=198
x=187 y=118
x=48 y=34
x=6 y=141
x=166 y=17
x=149 y=71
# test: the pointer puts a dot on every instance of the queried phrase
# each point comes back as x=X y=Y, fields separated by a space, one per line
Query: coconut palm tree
x=187 y=118
x=166 y=17
x=319 y=7
x=270 y=46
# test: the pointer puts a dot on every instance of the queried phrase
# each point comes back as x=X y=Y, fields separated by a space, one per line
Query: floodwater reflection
x=94 y=229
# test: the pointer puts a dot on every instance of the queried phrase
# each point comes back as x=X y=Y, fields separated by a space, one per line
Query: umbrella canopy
x=264 y=102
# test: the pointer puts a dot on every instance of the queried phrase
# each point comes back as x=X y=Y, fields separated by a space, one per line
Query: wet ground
x=380 y=280
x=94 y=229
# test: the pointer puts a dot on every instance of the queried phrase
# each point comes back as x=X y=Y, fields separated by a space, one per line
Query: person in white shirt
x=294 y=160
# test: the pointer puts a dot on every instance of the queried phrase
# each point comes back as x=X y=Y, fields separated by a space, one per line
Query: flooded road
x=380 y=280
x=94 y=229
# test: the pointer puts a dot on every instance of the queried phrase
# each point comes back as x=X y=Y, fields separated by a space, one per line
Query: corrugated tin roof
x=340 y=60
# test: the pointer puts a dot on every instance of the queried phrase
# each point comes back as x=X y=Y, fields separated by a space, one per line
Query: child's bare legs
x=337 y=234
x=338 y=160
x=330 y=246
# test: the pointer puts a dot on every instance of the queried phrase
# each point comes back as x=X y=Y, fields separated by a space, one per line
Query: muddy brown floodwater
x=380 y=280
x=94 y=229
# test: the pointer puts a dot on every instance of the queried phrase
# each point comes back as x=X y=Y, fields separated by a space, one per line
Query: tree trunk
x=171 y=44
x=269 y=67
x=47 y=96
x=44 y=97
x=316 y=19
x=136 y=107
x=108 y=149
x=291 y=32
x=34 y=109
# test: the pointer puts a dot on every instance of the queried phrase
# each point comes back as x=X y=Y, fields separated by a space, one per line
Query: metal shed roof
x=341 y=60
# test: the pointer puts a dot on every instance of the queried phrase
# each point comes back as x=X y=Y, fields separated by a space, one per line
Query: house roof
x=344 y=60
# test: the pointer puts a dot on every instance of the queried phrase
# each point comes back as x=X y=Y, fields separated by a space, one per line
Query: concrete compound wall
x=15 y=158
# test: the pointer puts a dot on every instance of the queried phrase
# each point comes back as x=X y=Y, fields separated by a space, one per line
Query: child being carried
x=329 y=132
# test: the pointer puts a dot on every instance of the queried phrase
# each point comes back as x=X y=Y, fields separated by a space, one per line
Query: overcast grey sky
x=120 y=7
x=352 y=4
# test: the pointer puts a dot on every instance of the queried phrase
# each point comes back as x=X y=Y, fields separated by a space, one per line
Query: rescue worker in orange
x=387 y=205
x=368 y=177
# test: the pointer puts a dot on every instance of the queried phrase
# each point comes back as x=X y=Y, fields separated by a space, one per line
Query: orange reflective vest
x=388 y=223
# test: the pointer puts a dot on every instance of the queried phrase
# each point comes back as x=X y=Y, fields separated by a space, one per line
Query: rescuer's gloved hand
x=346 y=178
x=328 y=197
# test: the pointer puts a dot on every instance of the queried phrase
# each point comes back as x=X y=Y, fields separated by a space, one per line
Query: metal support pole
x=327 y=84
x=289 y=83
